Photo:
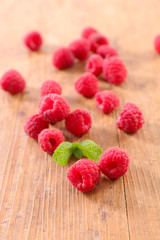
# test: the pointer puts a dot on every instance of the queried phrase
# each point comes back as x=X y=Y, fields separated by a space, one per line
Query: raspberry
x=50 y=86
x=114 y=70
x=34 y=125
x=94 y=64
x=54 y=108
x=87 y=85
x=97 y=40
x=78 y=122
x=33 y=40
x=49 y=139
x=12 y=82
x=80 y=48
x=84 y=174
x=157 y=44
x=130 y=118
x=114 y=162
x=106 y=101
x=88 y=31
x=107 y=51
x=63 y=58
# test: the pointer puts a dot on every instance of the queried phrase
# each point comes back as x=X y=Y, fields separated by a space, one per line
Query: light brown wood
x=36 y=199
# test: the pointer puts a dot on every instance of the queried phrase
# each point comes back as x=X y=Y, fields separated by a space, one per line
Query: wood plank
x=36 y=199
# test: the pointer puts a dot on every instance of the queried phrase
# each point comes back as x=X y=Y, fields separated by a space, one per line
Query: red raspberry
x=107 y=51
x=130 y=118
x=97 y=40
x=54 y=108
x=157 y=44
x=50 y=86
x=12 y=82
x=33 y=40
x=114 y=70
x=80 y=48
x=114 y=162
x=84 y=174
x=87 y=85
x=107 y=101
x=34 y=125
x=49 y=139
x=94 y=64
x=63 y=58
x=78 y=122
x=88 y=31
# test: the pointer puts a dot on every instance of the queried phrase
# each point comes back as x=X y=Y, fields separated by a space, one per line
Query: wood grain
x=36 y=200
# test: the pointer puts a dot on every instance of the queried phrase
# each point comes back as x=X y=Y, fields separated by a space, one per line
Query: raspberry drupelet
x=80 y=48
x=87 y=85
x=84 y=174
x=88 y=31
x=94 y=64
x=96 y=40
x=157 y=43
x=33 y=40
x=34 y=125
x=78 y=122
x=130 y=118
x=106 y=101
x=54 y=108
x=63 y=58
x=50 y=86
x=49 y=139
x=114 y=162
x=114 y=70
x=107 y=51
x=12 y=82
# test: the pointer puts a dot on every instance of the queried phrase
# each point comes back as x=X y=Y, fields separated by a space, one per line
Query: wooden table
x=36 y=199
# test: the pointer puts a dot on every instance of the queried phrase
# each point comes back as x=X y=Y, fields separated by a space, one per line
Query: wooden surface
x=36 y=199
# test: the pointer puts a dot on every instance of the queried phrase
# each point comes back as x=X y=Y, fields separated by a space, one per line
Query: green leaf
x=63 y=153
x=75 y=145
x=77 y=153
x=90 y=150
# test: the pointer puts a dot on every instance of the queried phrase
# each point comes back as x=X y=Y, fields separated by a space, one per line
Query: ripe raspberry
x=114 y=162
x=49 y=139
x=157 y=44
x=63 y=58
x=78 y=122
x=50 y=86
x=34 y=125
x=54 y=108
x=114 y=70
x=12 y=82
x=130 y=118
x=107 y=101
x=84 y=174
x=107 y=51
x=87 y=85
x=94 y=64
x=97 y=40
x=33 y=40
x=88 y=31
x=80 y=48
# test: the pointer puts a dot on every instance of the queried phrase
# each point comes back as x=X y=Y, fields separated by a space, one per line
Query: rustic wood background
x=36 y=199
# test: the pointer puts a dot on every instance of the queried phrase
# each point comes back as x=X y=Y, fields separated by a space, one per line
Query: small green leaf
x=75 y=145
x=77 y=153
x=63 y=153
x=90 y=150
